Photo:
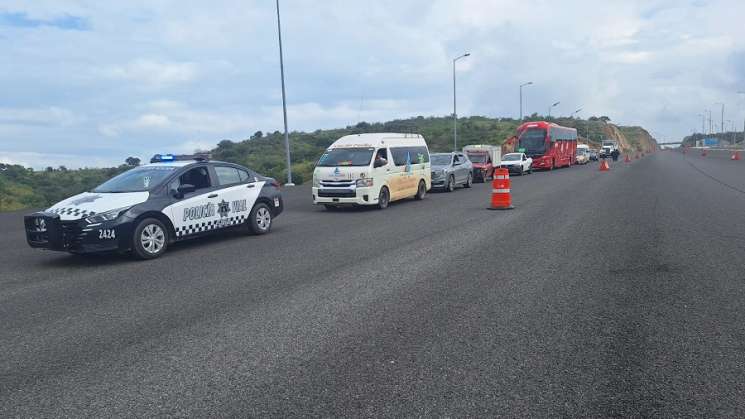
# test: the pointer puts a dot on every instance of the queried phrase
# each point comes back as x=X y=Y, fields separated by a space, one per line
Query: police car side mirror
x=186 y=188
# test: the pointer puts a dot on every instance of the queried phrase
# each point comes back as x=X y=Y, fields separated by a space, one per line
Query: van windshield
x=477 y=157
x=346 y=157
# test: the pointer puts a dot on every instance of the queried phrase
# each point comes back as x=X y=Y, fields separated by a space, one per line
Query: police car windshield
x=346 y=157
x=139 y=179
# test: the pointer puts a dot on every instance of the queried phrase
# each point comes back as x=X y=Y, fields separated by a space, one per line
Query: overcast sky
x=88 y=83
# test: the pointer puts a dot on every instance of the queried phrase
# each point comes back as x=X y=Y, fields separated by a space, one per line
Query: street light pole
x=455 y=105
x=521 y=98
x=743 y=123
x=721 y=126
x=551 y=107
x=284 y=101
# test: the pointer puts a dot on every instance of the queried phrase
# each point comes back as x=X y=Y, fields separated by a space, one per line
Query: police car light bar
x=161 y=158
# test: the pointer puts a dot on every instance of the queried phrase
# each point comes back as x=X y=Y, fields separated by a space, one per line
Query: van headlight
x=364 y=183
x=316 y=182
x=106 y=216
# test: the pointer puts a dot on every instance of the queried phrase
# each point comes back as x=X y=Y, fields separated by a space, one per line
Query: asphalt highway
x=601 y=294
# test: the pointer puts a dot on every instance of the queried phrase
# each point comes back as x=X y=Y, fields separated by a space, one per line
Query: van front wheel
x=384 y=198
x=421 y=191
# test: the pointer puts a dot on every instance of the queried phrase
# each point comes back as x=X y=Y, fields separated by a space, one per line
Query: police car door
x=195 y=211
x=238 y=192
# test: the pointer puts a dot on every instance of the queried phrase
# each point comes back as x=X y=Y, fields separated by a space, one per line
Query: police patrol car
x=145 y=209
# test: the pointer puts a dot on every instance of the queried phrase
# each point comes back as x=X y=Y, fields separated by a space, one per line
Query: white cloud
x=44 y=116
x=154 y=73
x=157 y=76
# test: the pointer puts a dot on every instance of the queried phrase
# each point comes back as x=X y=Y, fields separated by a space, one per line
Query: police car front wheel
x=150 y=239
x=260 y=220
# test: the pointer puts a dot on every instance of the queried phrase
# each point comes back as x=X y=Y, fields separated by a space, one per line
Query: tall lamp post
x=551 y=107
x=455 y=108
x=521 y=98
x=743 y=123
x=575 y=113
x=284 y=100
x=721 y=126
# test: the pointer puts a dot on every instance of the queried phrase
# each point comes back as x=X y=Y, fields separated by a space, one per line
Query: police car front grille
x=72 y=233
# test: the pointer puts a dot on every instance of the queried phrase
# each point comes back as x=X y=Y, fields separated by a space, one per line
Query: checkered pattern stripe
x=74 y=212
x=210 y=225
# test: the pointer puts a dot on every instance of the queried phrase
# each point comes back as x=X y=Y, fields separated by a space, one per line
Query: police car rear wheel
x=260 y=220
x=150 y=239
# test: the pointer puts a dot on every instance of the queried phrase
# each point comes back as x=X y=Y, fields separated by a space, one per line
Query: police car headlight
x=364 y=183
x=106 y=216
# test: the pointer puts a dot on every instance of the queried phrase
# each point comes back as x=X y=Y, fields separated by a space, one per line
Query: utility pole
x=521 y=98
x=284 y=101
x=455 y=108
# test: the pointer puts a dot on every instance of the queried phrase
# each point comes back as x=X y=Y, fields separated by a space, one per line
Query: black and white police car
x=146 y=208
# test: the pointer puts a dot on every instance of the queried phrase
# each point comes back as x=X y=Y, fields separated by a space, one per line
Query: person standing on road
x=614 y=154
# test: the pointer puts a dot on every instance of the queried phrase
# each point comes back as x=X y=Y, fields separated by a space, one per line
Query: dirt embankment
x=630 y=139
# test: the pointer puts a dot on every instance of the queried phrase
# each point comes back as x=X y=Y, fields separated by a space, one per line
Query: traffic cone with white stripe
x=736 y=155
x=604 y=167
x=501 y=196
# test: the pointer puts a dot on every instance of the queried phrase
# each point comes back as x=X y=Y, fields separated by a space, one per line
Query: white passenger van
x=372 y=169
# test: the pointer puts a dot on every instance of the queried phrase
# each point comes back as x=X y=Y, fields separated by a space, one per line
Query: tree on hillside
x=605 y=119
x=132 y=161
x=257 y=135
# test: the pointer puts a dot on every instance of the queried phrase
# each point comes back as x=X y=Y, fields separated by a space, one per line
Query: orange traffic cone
x=604 y=166
x=736 y=155
x=501 y=197
x=627 y=159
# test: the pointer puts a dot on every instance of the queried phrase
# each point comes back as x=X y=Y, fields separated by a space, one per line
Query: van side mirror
x=186 y=188
x=380 y=163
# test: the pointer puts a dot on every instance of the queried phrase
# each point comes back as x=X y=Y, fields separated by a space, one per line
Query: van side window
x=405 y=155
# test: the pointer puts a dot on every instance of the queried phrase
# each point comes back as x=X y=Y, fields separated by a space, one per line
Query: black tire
x=421 y=191
x=150 y=239
x=530 y=171
x=522 y=171
x=469 y=181
x=384 y=198
x=260 y=219
x=450 y=187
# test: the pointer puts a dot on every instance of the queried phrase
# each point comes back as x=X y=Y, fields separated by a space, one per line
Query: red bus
x=549 y=145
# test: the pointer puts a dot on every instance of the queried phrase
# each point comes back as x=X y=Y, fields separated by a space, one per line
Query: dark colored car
x=146 y=208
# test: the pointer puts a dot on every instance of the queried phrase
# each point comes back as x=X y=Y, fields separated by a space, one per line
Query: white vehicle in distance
x=518 y=163
x=583 y=154
x=372 y=169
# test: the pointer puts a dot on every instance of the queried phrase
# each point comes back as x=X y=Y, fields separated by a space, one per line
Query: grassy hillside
x=265 y=153
x=23 y=188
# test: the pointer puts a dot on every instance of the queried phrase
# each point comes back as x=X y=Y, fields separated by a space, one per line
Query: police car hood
x=92 y=203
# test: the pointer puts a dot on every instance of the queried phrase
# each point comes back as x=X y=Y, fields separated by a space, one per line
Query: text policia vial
x=147 y=208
